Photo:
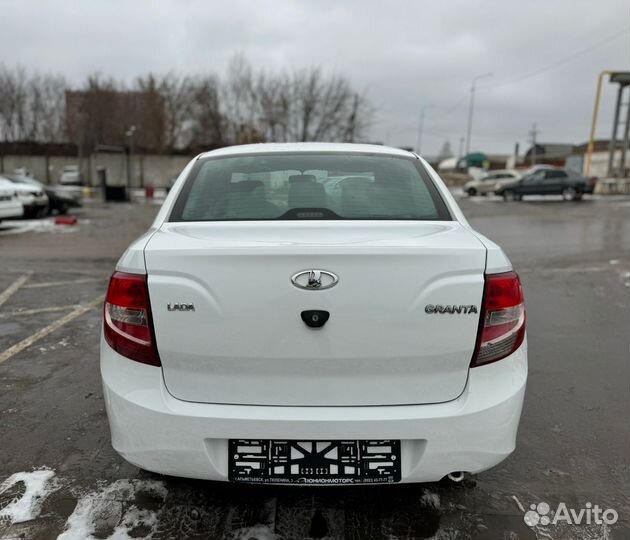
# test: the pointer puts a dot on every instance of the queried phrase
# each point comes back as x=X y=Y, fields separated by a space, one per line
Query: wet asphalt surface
x=573 y=444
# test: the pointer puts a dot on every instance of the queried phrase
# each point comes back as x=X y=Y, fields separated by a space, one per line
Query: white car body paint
x=10 y=205
x=490 y=181
x=240 y=367
x=31 y=197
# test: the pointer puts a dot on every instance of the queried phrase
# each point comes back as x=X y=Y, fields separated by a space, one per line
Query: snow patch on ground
x=37 y=486
x=36 y=226
x=564 y=531
x=257 y=532
x=116 y=510
x=430 y=499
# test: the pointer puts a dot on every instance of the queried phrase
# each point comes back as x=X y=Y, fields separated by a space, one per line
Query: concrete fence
x=146 y=169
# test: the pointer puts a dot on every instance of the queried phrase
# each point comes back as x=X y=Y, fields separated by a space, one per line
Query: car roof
x=14 y=179
x=348 y=148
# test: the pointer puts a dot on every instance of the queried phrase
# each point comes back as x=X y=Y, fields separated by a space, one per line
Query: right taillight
x=502 y=321
x=128 y=328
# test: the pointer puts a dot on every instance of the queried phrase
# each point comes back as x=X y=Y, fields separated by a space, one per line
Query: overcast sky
x=404 y=54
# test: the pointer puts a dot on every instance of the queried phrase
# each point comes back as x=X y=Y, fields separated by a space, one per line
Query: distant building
x=549 y=153
x=101 y=117
x=599 y=158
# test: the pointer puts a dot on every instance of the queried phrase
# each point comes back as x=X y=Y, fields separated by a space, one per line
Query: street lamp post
x=471 y=107
x=420 y=127
x=129 y=133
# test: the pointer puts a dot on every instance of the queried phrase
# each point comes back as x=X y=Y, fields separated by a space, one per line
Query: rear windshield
x=308 y=186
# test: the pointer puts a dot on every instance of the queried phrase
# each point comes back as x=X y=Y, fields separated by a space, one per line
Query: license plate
x=314 y=462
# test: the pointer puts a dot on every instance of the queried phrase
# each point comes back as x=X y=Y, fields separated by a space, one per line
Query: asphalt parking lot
x=60 y=478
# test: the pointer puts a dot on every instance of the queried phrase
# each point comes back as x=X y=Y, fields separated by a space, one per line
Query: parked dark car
x=61 y=201
x=563 y=182
x=60 y=198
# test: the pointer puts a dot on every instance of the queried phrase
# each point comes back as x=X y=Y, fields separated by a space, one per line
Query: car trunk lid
x=246 y=343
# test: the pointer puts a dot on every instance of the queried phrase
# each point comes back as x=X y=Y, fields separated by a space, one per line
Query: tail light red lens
x=502 y=323
x=128 y=326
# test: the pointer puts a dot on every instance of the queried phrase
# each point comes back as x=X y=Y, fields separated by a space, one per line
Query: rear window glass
x=308 y=186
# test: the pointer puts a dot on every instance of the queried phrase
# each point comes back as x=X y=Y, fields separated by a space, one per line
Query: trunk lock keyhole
x=315 y=318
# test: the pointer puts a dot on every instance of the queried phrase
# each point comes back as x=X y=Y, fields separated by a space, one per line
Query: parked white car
x=490 y=181
x=10 y=206
x=266 y=331
x=71 y=176
x=33 y=198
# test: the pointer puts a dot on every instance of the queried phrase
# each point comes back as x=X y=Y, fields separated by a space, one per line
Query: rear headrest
x=245 y=186
x=306 y=194
x=301 y=178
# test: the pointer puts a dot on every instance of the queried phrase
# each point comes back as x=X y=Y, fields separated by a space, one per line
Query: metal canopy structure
x=622 y=78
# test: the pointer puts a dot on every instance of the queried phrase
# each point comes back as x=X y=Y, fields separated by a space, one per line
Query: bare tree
x=305 y=105
x=13 y=103
x=177 y=94
x=326 y=108
x=239 y=104
x=49 y=124
x=175 y=111
x=274 y=106
x=207 y=123
x=149 y=112
x=31 y=107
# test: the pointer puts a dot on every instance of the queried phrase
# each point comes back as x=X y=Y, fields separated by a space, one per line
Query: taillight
x=502 y=323
x=128 y=325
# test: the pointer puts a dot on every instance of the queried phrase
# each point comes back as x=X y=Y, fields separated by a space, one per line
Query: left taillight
x=128 y=327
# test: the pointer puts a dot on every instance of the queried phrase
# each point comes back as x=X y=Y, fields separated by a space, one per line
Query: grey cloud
x=404 y=54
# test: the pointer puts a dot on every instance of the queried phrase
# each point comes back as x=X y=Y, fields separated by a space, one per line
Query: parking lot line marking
x=10 y=314
x=59 y=283
x=27 y=342
x=11 y=289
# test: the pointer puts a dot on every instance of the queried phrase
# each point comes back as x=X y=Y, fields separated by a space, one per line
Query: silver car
x=489 y=182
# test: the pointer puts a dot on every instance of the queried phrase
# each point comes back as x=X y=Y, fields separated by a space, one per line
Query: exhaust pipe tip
x=456 y=476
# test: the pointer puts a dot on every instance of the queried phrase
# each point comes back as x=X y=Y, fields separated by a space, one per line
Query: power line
x=514 y=80
x=558 y=62
x=451 y=109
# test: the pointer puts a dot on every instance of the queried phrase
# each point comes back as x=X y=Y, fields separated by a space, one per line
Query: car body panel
x=10 y=205
x=394 y=269
x=155 y=431
x=60 y=198
x=245 y=341
x=33 y=198
x=489 y=182
x=546 y=181
x=71 y=175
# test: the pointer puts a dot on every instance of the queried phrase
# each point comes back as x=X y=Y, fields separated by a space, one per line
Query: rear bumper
x=153 y=430
x=35 y=205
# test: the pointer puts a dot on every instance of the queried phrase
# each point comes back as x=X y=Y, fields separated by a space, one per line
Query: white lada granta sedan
x=314 y=314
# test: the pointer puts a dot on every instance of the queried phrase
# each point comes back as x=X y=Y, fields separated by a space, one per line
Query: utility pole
x=420 y=126
x=626 y=142
x=471 y=107
x=461 y=150
x=532 y=135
